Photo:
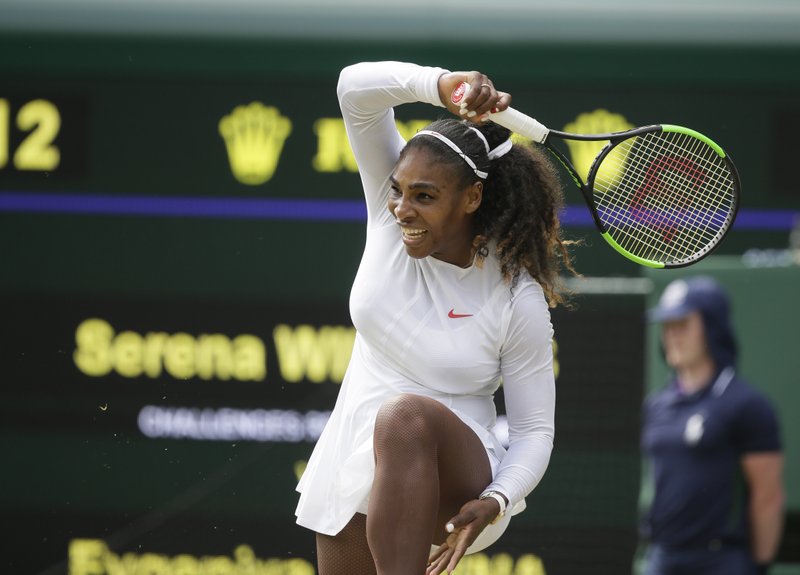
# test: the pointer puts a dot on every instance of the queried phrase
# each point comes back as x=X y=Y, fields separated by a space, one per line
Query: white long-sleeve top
x=407 y=341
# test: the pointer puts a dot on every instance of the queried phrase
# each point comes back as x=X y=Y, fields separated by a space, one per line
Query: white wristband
x=500 y=500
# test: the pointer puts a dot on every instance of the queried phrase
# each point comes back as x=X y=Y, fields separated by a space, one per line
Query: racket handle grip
x=522 y=124
x=509 y=118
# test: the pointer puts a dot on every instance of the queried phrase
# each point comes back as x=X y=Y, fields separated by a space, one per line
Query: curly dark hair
x=522 y=196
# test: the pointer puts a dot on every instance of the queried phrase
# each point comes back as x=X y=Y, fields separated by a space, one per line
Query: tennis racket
x=663 y=196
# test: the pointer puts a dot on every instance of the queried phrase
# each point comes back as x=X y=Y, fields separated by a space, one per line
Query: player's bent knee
x=405 y=417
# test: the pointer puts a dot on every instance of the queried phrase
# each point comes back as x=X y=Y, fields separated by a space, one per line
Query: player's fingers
x=480 y=99
x=438 y=565
x=453 y=88
x=483 y=94
x=475 y=83
x=457 y=554
x=503 y=103
x=459 y=521
x=440 y=550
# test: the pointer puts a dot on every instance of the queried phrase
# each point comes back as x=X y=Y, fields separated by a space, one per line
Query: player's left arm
x=764 y=475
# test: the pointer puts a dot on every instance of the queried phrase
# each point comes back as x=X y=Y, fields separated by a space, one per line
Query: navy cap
x=701 y=294
x=684 y=296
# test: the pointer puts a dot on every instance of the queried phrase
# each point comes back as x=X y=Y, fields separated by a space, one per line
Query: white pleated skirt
x=338 y=478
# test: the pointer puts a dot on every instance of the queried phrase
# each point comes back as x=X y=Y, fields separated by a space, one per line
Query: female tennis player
x=461 y=263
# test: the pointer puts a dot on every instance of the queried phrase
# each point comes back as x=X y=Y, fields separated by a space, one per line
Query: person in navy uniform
x=713 y=445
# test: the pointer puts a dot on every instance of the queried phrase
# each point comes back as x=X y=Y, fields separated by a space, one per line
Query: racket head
x=665 y=195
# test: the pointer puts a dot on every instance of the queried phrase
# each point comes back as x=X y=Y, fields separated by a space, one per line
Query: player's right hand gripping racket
x=663 y=196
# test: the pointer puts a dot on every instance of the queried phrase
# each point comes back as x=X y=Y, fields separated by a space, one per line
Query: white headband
x=498 y=152
x=456 y=149
x=481 y=136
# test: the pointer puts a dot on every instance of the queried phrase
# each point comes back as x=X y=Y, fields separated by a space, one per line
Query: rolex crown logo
x=254 y=137
x=583 y=153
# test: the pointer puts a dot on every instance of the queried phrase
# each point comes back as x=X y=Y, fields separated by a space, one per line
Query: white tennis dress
x=426 y=327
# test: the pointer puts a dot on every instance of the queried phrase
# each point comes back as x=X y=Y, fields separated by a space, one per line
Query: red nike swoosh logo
x=454 y=315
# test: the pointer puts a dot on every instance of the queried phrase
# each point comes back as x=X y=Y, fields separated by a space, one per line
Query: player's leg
x=428 y=464
x=346 y=553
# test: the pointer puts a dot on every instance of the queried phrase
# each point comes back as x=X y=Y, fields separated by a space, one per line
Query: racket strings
x=659 y=200
x=664 y=196
x=657 y=232
x=707 y=218
x=662 y=210
x=702 y=217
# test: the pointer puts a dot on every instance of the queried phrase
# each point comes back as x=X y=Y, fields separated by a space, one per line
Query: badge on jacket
x=694 y=429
